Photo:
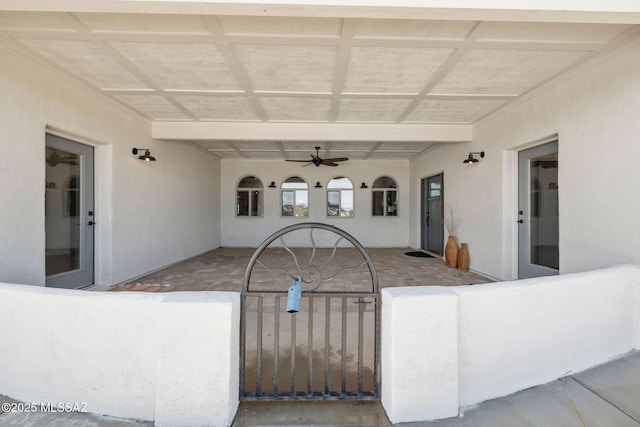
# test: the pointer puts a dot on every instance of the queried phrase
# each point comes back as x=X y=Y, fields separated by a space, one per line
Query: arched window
x=249 y=197
x=340 y=197
x=385 y=197
x=295 y=197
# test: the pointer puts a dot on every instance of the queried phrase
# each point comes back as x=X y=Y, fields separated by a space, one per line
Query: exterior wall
x=171 y=357
x=594 y=114
x=370 y=231
x=492 y=340
x=148 y=215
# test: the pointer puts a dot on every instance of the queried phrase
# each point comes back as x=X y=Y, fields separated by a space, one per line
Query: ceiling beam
x=230 y=131
x=584 y=11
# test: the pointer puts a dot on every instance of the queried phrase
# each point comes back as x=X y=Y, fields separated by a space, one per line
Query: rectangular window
x=295 y=203
x=385 y=203
x=243 y=203
x=378 y=203
x=249 y=203
x=340 y=203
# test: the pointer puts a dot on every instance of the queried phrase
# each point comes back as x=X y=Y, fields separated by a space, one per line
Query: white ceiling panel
x=388 y=155
x=351 y=155
x=371 y=109
x=296 y=108
x=484 y=71
x=547 y=32
x=433 y=30
x=155 y=107
x=404 y=146
x=218 y=107
x=190 y=66
x=25 y=21
x=85 y=60
x=392 y=70
x=353 y=145
x=268 y=25
x=452 y=110
x=219 y=145
x=227 y=154
x=145 y=23
x=303 y=146
x=288 y=68
x=263 y=154
x=257 y=145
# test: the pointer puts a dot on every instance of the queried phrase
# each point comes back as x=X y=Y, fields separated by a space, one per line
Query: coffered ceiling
x=192 y=73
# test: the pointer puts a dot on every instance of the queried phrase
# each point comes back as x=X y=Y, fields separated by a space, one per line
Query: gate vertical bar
x=327 y=343
x=343 y=387
x=259 y=349
x=310 y=349
x=276 y=347
x=293 y=355
x=361 y=304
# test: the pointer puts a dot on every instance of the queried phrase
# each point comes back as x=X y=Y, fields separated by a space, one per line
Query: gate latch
x=362 y=301
x=294 y=296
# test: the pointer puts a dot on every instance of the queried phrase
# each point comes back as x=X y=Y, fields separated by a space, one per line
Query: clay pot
x=451 y=252
x=463 y=257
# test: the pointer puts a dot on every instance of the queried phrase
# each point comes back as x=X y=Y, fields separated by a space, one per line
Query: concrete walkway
x=605 y=396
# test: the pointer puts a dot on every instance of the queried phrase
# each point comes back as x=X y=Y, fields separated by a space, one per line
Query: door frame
x=85 y=275
x=424 y=229
x=525 y=269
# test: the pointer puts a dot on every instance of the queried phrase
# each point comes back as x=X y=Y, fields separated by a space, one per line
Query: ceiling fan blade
x=337 y=159
x=329 y=163
x=305 y=161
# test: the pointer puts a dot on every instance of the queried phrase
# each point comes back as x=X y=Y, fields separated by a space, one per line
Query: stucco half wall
x=447 y=348
x=170 y=357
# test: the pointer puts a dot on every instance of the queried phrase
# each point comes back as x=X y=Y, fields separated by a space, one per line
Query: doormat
x=419 y=254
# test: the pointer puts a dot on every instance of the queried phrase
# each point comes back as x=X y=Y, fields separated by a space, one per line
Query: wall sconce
x=363 y=185
x=472 y=159
x=318 y=185
x=147 y=157
x=272 y=185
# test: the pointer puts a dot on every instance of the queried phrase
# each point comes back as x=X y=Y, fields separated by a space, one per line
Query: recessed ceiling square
x=270 y=25
x=413 y=29
x=288 y=68
x=548 y=32
x=453 y=110
x=189 y=66
x=371 y=109
x=391 y=69
x=155 y=107
x=296 y=108
x=34 y=21
x=84 y=60
x=218 y=107
x=488 y=71
x=142 y=23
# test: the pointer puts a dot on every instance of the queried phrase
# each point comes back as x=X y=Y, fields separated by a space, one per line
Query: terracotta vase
x=463 y=257
x=451 y=252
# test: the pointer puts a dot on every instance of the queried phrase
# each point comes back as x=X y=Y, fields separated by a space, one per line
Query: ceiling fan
x=317 y=160
x=55 y=158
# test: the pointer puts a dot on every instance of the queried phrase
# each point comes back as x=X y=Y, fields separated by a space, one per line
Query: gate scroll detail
x=329 y=350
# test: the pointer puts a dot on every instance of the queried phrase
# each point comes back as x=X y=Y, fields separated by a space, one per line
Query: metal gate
x=329 y=348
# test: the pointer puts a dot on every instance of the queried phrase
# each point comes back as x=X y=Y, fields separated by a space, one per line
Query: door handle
x=91 y=223
x=520 y=221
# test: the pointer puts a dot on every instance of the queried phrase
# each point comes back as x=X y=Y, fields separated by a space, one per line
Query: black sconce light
x=272 y=185
x=147 y=157
x=472 y=159
x=363 y=185
x=318 y=185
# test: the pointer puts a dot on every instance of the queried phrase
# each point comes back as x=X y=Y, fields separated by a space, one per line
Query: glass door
x=538 y=226
x=432 y=214
x=69 y=215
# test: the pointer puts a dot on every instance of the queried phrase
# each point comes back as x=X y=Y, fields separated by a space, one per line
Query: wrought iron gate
x=329 y=350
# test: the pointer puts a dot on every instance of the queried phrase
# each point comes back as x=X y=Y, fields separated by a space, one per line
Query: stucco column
x=419 y=357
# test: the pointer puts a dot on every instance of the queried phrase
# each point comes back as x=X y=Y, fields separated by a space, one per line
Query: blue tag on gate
x=294 y=296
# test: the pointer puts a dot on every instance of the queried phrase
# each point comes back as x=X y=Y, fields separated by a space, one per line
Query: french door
x=432 y=214
x=538 y=226
x=69 y=214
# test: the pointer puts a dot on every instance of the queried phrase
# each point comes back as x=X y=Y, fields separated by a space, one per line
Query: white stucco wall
x=594 y=114
x=370 y=231
x=491 y=340
x=170 y=357
x=148 y=214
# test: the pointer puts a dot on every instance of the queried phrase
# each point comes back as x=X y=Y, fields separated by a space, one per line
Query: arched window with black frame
x=340 y=198
x=295 y=197
x=384 y=197
x=249 y=197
